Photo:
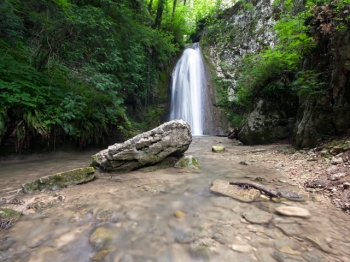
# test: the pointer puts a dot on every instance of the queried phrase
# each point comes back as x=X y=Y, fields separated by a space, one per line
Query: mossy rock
x=218 y=149
x=9 y=214
x=187 y=164
x=60 y=180
x=187 y=161
x=101 y=237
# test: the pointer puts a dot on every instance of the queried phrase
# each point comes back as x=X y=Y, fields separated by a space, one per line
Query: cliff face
x=242 y=29
x=247 y=29
x=329 y=113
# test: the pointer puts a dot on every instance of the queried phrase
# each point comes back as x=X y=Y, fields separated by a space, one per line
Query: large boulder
x=171 y=138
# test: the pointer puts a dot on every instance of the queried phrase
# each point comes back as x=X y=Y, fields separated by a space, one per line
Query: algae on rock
x=9 y=214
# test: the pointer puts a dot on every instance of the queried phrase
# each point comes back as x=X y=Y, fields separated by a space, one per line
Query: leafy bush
x=70 y=65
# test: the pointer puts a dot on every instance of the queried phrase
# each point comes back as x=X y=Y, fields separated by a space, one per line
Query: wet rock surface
x=170 y=216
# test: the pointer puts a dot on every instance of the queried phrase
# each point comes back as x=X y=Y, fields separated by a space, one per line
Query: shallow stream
x=166 y=215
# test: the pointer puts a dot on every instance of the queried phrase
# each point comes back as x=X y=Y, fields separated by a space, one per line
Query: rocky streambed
x=172 y=215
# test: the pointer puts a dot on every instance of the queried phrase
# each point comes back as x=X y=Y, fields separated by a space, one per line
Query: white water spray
x=187 y=89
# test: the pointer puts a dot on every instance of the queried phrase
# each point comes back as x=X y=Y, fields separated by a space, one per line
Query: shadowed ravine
x=167 y=215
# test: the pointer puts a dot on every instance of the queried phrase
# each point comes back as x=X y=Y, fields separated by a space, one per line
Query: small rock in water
x=258 y=150
x=244 y=163
x=293 y=211
x=218 y=149
x=101 y=237
x=179 y=214
x=289 y=250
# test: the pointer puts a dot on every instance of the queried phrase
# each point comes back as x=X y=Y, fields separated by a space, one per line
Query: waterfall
x=188 y=89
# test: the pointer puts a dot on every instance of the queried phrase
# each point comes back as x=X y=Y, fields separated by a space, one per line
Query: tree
x=173 y=14
x=159 y=15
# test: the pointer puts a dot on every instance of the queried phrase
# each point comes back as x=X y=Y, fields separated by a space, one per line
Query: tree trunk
x=173 y=14
x=159 y=13
x=184 y=2
x=150 y=4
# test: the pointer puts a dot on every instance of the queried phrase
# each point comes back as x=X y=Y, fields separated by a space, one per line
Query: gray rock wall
x=329 y=113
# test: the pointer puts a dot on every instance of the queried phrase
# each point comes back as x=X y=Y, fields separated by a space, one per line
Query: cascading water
x=188 y=89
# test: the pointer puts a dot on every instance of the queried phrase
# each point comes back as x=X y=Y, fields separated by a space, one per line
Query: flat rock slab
x=282 y=257
x=293 y=211
x=224 y=188
x=290 y=229
x=314 y=256
x=60 y=180
x=169 y=139
x=322 y=245
x=257 y=216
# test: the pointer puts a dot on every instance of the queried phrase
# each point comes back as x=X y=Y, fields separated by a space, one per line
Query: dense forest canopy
x=68 y=66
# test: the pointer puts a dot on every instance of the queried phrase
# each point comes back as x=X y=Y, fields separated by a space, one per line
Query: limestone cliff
x=248 y=28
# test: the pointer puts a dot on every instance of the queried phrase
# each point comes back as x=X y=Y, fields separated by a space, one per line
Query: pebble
x=179 y=214
x=337 y=176
x=242 y=248
x=293 y=211
x=336 y=160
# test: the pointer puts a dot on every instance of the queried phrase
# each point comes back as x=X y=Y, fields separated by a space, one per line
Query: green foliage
x=71 y=65
x=266 y=74
x=308 y=83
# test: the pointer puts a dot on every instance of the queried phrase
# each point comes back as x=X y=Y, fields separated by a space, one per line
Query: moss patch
x=9 y=214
